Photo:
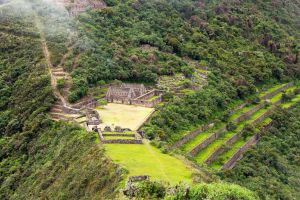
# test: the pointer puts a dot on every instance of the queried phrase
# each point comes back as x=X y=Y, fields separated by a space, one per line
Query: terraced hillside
x=216 y=146
x=239 y=114
x=218 y=142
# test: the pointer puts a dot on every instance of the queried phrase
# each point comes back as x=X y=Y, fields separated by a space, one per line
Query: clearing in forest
x=126 y=116
x=148 y=160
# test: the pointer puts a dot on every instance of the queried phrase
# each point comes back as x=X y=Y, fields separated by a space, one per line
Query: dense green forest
x=272 y=167
x=245 y=45
x=40 y=158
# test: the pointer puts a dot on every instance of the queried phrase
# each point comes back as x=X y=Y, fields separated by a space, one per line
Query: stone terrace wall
x=118 y=134
x=278 y=90
x=207 y=141
x=235 y=137
x=189 y=136
x=231 y=162
x=147 y=95
x=122 y=141
x=249 y=113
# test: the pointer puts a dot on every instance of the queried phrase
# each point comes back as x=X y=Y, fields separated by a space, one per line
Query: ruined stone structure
x=76 y=7
x=92 y=117
x=133 y=94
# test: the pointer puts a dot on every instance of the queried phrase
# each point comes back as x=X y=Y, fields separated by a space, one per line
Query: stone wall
x=147 y=95
x=231 y=162
x=189 y=136
x=277 y=90
x=122 y=141
x=249 y=113
x=203 y=144
x=118 y=134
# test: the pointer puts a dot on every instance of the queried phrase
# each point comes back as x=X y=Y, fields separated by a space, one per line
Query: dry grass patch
x=126 y=116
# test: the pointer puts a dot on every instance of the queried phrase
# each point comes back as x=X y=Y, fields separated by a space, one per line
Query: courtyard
x=126 y=116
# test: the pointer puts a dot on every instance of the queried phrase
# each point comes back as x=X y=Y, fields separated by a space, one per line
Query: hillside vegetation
x=240 y=49
x=40 y=158
x=272 y=167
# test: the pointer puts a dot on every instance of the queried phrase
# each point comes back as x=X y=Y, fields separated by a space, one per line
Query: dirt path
x=46 y=52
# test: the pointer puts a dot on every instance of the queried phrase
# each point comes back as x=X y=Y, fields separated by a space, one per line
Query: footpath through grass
x=147 y=160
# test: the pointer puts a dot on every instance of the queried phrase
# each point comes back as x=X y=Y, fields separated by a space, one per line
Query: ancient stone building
x=92 y=117
x=133 y=94
x=125 y=92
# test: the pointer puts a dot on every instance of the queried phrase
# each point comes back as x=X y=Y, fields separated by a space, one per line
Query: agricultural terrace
x=126 y=116
x=232 y=149
x=274 y=95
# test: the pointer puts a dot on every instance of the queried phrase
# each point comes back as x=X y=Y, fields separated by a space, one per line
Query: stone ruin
x=75 y=7
x=133 y=94
x=93 y=117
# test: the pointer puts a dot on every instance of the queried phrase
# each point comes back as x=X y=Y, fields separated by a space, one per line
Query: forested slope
x=40 y=158
x=245 y=45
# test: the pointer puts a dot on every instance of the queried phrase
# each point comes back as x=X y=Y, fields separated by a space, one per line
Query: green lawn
x=148 y=160
x=217 y=164
x=117 y=137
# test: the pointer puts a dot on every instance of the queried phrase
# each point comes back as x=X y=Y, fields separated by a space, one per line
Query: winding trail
x=46 y=52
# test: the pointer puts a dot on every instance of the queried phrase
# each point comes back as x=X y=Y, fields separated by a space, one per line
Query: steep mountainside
x=209 y=56
x=40 y=158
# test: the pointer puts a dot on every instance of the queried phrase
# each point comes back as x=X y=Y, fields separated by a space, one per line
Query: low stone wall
x=207 y=141
x=147 y=103
x=231 y=162
x=277 y=90
x=189 y=136
x=249 y=113
x=121 y=141
x=147 y=95
x=253 y=140
x=203 y=144
x=118 y=134
x=236 y=136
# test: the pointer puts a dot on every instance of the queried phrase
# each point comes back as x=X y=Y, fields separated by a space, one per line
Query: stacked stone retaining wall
x=286 y=86
x=235 y=137
x=122 y=141
x=189 y=136
x=231 y=162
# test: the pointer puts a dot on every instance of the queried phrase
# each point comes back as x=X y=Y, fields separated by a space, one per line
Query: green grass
x=217 y=164
x=118 y=137
x=148 y=160
x=206 y=152
x=278 y=96
x=292 y=102
x=152 y=98
x=239 y=143
x=114 y=132
x=196 y=140
x=271 y=89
